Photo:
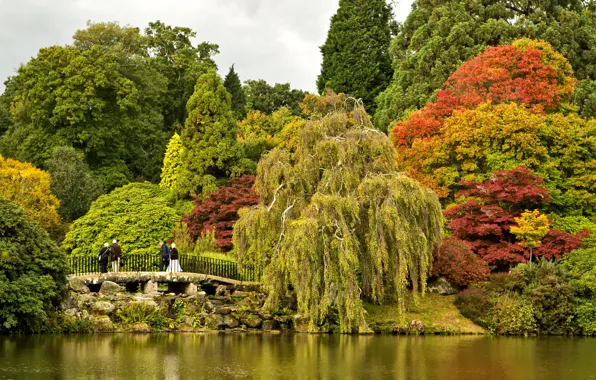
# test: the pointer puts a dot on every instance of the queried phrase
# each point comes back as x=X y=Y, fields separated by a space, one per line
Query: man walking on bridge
x=165 y=256
x=116 y=254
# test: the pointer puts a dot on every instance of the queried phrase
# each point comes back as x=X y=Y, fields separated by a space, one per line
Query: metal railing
x=151 y=263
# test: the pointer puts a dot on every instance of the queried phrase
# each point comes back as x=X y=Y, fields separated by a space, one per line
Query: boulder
x=442 y=286
x=301 y=323
x=223 y=310
x=215 y=322
x=222 y=290
x=83 y=300
x=109 y=287
x=150 y=287
x=78 y=286
x=269 y=325
x=140 y=328
x=71 y=313
x=417 y=327
x=102 y=324
x=252 y=321
x=191 y=289
x=230 y=321
x=103 y=307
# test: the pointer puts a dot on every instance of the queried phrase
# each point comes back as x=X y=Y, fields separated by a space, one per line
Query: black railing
x=151 y=263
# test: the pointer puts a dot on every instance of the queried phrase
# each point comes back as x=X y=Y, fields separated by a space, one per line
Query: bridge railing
x=150 y=263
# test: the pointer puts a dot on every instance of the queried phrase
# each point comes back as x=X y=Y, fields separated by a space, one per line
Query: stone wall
x=114 y=308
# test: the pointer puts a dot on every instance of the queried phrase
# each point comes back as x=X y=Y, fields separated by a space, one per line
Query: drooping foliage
x=457 y=262
x=29 y=188
x=338 y=223
x=139 y=215
x=72 y=183
x=32 y=271
x=210 y=149
x=172 y=163
x=437 y=37
x=356 y=52
x=219 y=211
x=261 y=96
x=486 y=218
x=234 y=87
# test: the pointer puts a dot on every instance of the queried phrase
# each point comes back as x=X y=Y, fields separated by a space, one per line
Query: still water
x=294 y=356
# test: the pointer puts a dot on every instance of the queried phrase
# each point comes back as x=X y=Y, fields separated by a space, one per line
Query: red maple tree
x=457 y=262
x=528 y=72
x=484 y=221
x=219 y=211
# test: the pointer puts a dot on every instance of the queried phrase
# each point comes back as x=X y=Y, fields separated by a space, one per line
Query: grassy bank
x=437 y=313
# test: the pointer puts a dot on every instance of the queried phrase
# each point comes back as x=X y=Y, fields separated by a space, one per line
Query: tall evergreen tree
x=234 y=87
x=438 y=36
x=211 y=152
x=356 y=54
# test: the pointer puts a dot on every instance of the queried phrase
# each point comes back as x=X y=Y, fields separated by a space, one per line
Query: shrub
x=139 y=215
x=581 y=268
x=585 y=316
x=141 y=313
x=456 y=261
x=512 y=315
x=577 y=224
x=473 y=304
x=32 y=271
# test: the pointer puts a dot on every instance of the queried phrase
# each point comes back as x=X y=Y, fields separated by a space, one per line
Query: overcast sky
x=275 y=40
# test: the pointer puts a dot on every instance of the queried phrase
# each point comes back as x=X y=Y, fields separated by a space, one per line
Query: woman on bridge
x=174 y=265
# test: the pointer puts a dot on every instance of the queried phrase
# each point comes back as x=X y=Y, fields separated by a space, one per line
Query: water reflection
x=214 y=356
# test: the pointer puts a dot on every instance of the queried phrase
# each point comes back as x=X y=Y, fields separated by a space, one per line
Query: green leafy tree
x=531 y=228
x=172 y=163
x=181 y=62
x=260 y=96
x=437 y=37
x=139 y=215
x=356 y=53
x=32 y=271
x=72 y=183
x=211 y=152
x=102 y=99
x=234 y=87
x=338 y=223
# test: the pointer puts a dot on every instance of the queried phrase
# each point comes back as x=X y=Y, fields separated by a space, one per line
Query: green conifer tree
x=234 y=87
x=211 y=152
x=356 y=53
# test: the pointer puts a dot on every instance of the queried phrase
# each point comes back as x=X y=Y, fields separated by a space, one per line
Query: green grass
x=438 y=313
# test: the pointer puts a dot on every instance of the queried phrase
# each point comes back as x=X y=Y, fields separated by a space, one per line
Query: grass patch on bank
x=438 y=313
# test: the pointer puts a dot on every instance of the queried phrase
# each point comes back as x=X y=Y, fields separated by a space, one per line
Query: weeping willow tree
x=338 y=223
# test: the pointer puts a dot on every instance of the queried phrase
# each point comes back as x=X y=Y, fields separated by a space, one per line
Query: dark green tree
x=234 y=87
x=260 y=96
x=181 y=62
x=72 y=183
x=356 y=53
x=211 y=152
x=32 y=271
x=338 y=223
x=438 y=36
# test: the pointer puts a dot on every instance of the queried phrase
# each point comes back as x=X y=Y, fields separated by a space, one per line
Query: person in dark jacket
x=116 y=254
x=165 y=256
x=174 y=264
x=104 y=256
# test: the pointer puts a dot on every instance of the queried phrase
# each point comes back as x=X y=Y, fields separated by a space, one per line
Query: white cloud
x=275 y=40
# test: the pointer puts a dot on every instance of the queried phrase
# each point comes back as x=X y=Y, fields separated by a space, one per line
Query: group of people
x=169 y=257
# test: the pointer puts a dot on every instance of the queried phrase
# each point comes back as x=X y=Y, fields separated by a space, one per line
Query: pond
x=294 y=356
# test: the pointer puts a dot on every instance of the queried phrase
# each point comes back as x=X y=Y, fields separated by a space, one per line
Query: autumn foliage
x=458 y=263
x=219 y=211
x=527 y=72
x=486 y=218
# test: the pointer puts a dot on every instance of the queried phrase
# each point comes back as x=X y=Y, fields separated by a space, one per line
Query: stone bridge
x=178 y=283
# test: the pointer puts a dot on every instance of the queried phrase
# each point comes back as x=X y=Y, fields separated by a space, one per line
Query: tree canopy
x=32 y=271
x=356 y=53
x=234 y=87
x=139 y=215
x=261 y=96
x=338 y=222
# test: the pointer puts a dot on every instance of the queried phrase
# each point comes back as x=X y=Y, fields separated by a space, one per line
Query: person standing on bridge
x=103 y=256
x=165 y=256
x=116 y=254
x=174 y=265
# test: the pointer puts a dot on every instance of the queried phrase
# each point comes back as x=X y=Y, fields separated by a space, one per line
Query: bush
x=32 y=271
x=512 y=315
x=142 y=313
x=581 y=268
x=456 y=261
x=576 y=224
x=139 y=215
x=585 y=316
x=473 y=304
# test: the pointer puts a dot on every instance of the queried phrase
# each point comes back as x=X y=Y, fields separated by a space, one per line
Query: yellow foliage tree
x=531 y=228
x=29 y=187
x=171 y=163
